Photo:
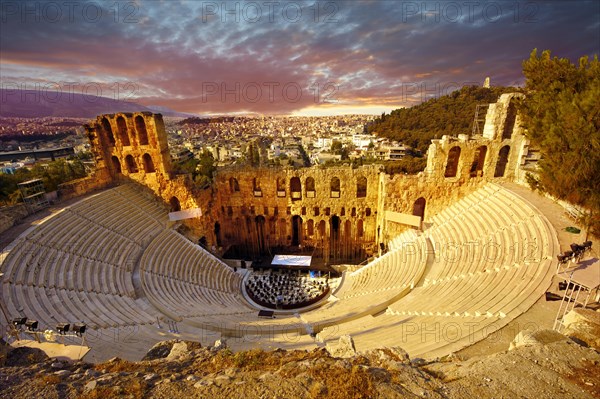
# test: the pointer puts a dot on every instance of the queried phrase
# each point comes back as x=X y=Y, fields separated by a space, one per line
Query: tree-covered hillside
x=451 y=114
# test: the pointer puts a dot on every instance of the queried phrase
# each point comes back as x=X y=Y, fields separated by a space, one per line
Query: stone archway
x=122 y=129
x=478 y=162
x=260 y=234
x=296 y=230
x=502 y=161
x=116 y=164
x=419 y=207
x=218 y=234
x=175 y=205
x=452 y=163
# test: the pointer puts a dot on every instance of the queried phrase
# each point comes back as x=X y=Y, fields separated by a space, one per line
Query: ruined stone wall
x=337 y=212
x=11 y=215
x=98 y=180
x=265 y=208
x=130 y=144
x=401 y=192
x=457 y=166
x=134 y=146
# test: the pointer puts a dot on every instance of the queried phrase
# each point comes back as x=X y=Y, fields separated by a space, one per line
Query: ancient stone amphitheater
x=480 y=256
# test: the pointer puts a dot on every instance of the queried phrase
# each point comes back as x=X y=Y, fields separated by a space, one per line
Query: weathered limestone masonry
x=331 y=209
x=338 y=212
x=134 y=146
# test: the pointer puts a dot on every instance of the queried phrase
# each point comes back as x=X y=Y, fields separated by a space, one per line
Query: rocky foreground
x=540 y=364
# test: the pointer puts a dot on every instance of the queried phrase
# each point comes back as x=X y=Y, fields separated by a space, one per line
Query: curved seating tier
x=493 y=260
x=485 y=260
x=77 y=265
x=184 y=281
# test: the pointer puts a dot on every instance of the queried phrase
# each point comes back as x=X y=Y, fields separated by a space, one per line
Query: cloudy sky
x=280 y=57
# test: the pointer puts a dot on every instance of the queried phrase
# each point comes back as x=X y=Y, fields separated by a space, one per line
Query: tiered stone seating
x=77 y=265
x=184 y=281
x=485 y=260
x=472 y=293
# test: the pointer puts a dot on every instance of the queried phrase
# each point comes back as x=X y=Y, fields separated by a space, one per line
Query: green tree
x=206 y=166
x=408 y=165
x=561 y=115
x=53 y=174
x=188 y=167
x=337 y=147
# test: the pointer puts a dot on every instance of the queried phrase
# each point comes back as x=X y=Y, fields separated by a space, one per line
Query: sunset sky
x=277 y=57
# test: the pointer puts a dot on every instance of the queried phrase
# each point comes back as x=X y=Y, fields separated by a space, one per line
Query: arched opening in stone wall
x=335 y=187
x=116 y=164
x=234 y=186
x=359 y=229
x=295 y=188
x=281 y=187
x=217 y=231
x=509 y=122
x=310 y=187
x=296 y=230
x=419 y=208
x=478 y=162
x=256 y=184
x=175 y=205
x=282 y=232
x=452 y=163
x=361 y=187
x=256 y=187
x=123 y=135
x=335 y=228
x=108 y=131
x=348 y=230
x=502 y=161
x=260 y=234
x=131 y=165
x=140 y=127
x=310 y=228
x=148 y=164
x=322 y=230
x=273 y=227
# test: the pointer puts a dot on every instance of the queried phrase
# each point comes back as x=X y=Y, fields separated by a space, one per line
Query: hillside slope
x=451 y=114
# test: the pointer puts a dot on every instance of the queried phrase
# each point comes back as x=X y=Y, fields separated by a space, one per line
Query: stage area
x=300 y=261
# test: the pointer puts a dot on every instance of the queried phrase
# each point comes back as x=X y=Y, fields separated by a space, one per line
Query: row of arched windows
x=478 y=162
x=132 y=166
x=123 y=133
x=315 y=211
x=296 y=187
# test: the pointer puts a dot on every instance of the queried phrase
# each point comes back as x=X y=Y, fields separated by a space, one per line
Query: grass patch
x=339 y=383
x=48 y=379
x=117 y=366
x=131 y=388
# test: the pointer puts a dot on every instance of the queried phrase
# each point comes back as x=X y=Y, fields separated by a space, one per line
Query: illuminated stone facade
x=336 y=213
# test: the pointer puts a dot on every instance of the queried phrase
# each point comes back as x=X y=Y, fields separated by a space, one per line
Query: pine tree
x=561 y=115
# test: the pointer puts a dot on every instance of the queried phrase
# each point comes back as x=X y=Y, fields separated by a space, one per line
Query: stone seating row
x=52 y=305
x=474 y=301
x=37 y=264
x=77 y=266
x=484 y=232
x=183 y=280
x=401 y=267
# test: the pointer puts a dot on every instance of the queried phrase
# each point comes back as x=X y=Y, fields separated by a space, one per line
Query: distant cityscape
x=275 y=140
